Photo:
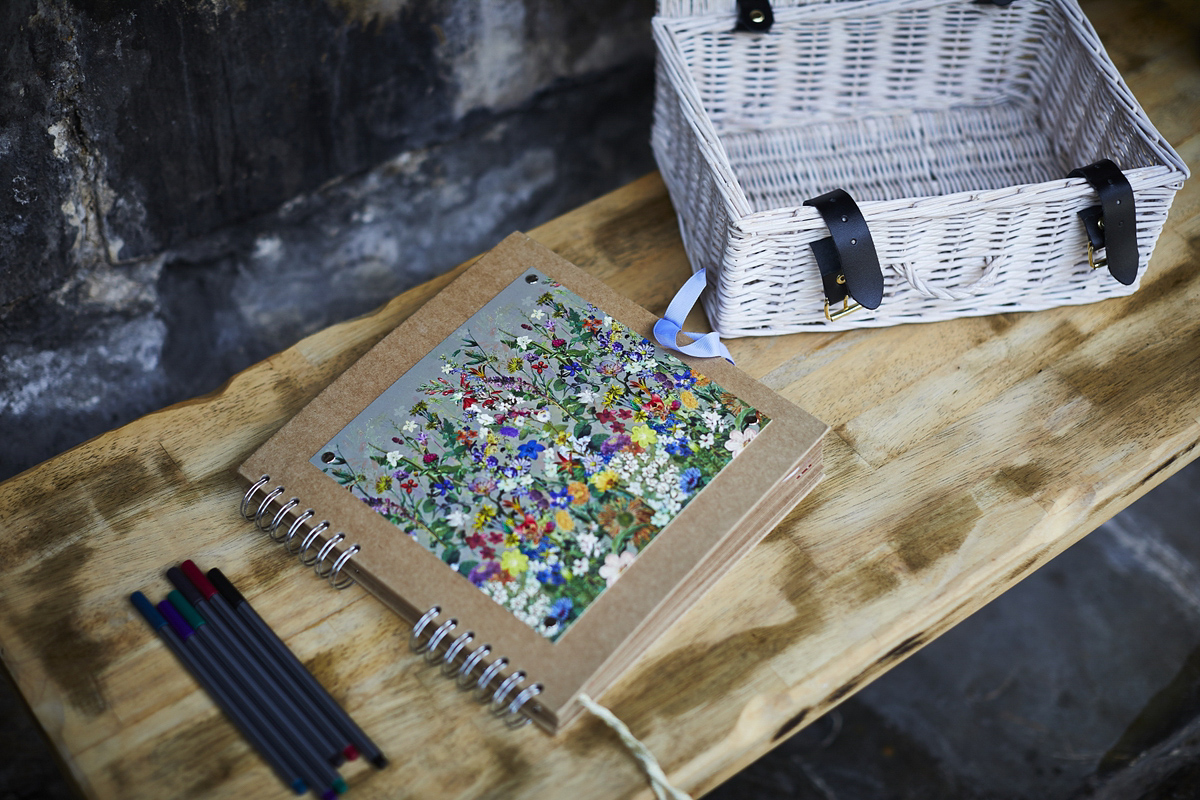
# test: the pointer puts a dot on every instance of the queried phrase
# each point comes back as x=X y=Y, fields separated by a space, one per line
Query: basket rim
x=667 y=29
x=1016 y=197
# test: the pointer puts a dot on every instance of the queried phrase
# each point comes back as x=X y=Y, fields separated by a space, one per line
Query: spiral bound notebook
x=529 y=481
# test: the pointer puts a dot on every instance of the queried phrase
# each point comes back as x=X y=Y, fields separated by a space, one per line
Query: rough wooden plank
x=964 y=455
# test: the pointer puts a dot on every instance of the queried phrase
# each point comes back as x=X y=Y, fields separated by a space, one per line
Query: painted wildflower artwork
x=539 y=449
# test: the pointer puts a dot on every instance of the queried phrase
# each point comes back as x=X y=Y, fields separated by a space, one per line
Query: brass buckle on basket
x=843 y=311
x=1092 y=262
x=846 y=307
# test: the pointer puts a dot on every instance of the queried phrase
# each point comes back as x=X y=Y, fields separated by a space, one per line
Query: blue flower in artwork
x=562 y=608
x=509 y=431
x=677 y=448
x=572 y=369
x=530 y=449
x=553 y=575
x=689 y=479
x=442 y=487
x=492 y=462
x=560 y=498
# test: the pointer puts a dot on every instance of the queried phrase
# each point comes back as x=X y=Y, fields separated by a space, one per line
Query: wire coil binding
x=321 y=554
x=508 y=696
x=491 y=687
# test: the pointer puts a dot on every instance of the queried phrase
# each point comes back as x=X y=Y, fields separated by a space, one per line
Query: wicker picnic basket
x=951 y=127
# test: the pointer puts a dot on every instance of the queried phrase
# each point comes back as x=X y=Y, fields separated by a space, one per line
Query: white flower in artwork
x=507 y=484
x=614 y=565
x=448 y=369
x=410 y=426
x=457 y=518
x=538 y=314
x=485 y=420
x=608 y=321
x=739 y=439
x=542 y=416
x=706 y=441
x=525 y=480
x=580 y=567
x=711 y=418
x=393 y=458
x=523 y=342
x=587 y=397
x=661 y=518
x=550 y=471
x=587 y=544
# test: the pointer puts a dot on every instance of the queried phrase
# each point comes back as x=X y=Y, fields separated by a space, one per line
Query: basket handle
x=986 y=279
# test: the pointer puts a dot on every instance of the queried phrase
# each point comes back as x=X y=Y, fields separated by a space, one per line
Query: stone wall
x=189 y=185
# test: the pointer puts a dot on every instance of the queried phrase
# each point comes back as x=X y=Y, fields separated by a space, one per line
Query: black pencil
x=260 y=674
x=212 y=652
x=255 y=731
x=205 y=592
x=288 y=661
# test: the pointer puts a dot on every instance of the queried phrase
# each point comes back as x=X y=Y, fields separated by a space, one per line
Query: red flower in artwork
x=408 y=486
x=429 y=458
x=557 y=342
x=655 y=406
x=540 y=367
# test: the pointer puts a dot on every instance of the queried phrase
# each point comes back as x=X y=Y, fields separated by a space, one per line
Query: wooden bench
x=963 y=456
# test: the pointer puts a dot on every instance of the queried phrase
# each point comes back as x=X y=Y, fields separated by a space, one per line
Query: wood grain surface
x=964 y=455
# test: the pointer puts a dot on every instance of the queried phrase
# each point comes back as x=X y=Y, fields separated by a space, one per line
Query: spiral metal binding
x=326 y=561
x=262 y=507
x=315 y=553
x=506 y=700
x=324 y=552
x=465 y=676
x=336 y=579
x=448 y=667
x=283 y=510
x=296 y=526
x=250 y=492
x=308 y=542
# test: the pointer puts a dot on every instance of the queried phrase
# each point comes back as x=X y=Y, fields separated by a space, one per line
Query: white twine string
x=658 y=779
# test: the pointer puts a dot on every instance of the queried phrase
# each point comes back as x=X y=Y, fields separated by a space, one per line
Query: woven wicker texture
x=952 y=124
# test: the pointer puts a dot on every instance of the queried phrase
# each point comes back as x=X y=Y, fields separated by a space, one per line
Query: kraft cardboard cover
x=519 y=454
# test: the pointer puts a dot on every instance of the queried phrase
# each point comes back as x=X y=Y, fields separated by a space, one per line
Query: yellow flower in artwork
x=514 y=562
x=688 y=399
x=383 y=484
x=484 y=516
x=604 y=480
x=564 y=521
x=643 y=435
x=579 y=492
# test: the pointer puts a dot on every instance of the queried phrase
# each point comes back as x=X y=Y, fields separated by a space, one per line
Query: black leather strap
x=848 y=252
x=755 y=16
x=1112 y=224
